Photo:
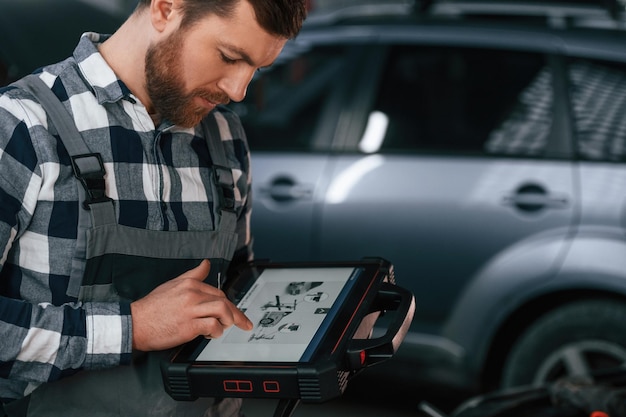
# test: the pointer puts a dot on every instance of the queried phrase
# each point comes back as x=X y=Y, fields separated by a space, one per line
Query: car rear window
x=465 y=100
x=598 y=96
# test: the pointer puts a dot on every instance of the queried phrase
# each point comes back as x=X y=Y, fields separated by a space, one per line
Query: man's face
x=166 y=85
x=189 y=72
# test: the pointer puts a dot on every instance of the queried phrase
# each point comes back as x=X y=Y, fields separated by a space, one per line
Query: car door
x=460 y=159
x=290 y=117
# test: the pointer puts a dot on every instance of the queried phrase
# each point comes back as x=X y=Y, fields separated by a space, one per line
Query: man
x=95 y=274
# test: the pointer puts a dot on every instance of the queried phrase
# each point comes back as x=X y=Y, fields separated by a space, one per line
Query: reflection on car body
x=484 y=157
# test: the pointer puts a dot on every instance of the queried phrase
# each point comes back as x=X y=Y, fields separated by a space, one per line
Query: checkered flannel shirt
x=157 y=178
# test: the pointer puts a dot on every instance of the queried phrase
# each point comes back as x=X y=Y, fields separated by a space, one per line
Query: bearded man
x=101 y=275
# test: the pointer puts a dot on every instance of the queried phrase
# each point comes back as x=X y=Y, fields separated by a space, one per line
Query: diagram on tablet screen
x=286 y=313
x=278 y=309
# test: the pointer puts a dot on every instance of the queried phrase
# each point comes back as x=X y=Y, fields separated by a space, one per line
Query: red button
x=271 y=386
x=237 y=386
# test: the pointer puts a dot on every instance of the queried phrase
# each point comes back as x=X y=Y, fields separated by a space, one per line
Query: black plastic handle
x=365 y=352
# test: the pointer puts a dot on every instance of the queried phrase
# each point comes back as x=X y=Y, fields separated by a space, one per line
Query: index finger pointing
x=241 y=320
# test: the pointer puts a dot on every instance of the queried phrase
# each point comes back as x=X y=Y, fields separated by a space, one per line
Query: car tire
x=575 y=339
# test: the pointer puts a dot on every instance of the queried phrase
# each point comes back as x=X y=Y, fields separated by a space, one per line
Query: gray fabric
x=79 y=258
x=220 y=176
x=175 y=245
x=136 y=390
x=101 y=213
x=102 y=292
x=75 y=145
x=64 y=123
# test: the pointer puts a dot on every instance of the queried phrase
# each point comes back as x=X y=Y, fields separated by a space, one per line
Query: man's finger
x=200 y=272
x=241 y=320
x=225 y=312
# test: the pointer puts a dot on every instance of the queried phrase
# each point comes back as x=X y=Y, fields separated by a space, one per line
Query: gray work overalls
x=127 y=263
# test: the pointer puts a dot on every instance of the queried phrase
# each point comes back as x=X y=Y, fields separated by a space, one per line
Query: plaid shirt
x=157 y=178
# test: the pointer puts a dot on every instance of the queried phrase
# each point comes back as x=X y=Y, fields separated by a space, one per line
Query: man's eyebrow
x=242 y=54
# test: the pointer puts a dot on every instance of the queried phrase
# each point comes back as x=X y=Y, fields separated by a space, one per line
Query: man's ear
x=161 y=13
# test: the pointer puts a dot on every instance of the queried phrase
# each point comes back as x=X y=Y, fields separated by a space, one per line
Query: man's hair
x=278 y=17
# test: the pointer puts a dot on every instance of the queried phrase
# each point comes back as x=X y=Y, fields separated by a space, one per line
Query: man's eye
x=228 y=60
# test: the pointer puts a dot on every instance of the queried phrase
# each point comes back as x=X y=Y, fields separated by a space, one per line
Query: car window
x=285 y=102
x=464 y=100
x=598 y=96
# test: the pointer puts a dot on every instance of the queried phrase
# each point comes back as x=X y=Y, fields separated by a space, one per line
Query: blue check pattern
x=158 y=178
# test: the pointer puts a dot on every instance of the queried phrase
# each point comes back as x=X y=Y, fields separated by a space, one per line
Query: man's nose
x=236 y=84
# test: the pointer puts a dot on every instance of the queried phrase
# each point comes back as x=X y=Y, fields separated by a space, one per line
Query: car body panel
x=441 y=217
x=475 y=237
x=285 y=191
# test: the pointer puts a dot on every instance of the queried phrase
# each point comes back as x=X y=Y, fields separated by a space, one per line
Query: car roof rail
x=555 y=13
x=558 y=13
x=339 y=12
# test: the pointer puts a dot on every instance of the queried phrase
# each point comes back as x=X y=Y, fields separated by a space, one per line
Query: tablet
x=308 y=320
x=291 y=309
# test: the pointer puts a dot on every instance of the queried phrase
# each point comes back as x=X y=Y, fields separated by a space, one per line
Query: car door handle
x=286 y=189
x=533 y=197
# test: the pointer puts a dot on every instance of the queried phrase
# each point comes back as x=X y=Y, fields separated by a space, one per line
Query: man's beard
x=166 y=87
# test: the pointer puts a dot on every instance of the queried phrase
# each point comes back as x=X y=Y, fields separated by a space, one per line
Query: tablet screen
x=291 y=309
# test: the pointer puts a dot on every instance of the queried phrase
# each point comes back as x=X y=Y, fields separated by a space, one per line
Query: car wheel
x=575 y=339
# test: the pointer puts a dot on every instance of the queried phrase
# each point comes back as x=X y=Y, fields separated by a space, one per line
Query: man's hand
x=182 y=309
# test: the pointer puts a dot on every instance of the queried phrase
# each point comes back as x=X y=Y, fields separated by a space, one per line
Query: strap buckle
x=225 y=185
x=89 y=170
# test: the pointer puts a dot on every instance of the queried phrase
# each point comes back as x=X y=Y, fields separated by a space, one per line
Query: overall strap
x=88 y=169
x=223 y=179
x=87 y=166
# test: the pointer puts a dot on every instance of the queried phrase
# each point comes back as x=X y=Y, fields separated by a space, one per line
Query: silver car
x=480 y=149
x=482 y=152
